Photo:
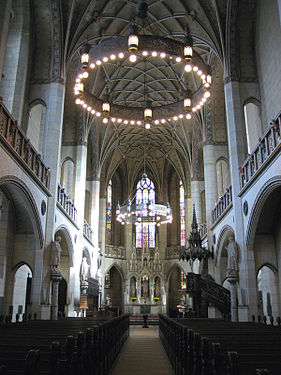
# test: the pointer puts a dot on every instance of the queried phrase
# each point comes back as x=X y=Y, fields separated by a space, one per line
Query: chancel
x=140 y=176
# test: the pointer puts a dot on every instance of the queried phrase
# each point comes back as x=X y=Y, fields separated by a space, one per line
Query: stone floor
x=142 y=354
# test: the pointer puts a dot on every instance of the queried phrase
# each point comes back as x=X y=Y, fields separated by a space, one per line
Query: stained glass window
x=182 y=280
x=109 y=212
x=182 y=214
x=145 y=231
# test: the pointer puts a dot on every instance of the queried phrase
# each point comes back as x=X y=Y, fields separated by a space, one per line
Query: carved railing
x=118 y=252
x=19 y=145
x=66 y=204
x=199 y=288
x=88 y=232
x=266 y=148
x=223 y=203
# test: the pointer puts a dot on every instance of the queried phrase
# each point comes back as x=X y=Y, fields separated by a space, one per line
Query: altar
x=138 y=309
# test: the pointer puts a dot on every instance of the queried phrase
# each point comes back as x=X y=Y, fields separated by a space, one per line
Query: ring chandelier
x=146 y=46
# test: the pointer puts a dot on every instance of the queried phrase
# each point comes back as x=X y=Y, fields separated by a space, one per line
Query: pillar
x=196 y=187
x=6 y=7
x=210 y=177
x=237 y=147
x=55 y=296
x=233 y=298
x=95 y=211
x=80 y=184
x=15 y=67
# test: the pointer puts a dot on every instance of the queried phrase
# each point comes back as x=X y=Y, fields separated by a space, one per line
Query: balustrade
x=88 y=232
x=66 y=203
x=118 y=252
x=222 y=204
x=267 y=146
x=19 y=145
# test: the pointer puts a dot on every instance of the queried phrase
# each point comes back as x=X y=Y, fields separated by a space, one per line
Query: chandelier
x=144 y=211
x=132 y=50
x=194 y=250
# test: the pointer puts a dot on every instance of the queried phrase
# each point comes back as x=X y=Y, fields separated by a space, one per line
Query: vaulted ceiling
x=212 y=26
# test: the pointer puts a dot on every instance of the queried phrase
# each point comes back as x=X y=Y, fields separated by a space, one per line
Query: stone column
x=95 y=211
x=53 y=96
x=102 y=222
x=237 y=147
x=233 y=298
x=56 y=277
x=210 y=177
x=80 y=183
x=196 y=188
x=15 y=68
x=6 y=7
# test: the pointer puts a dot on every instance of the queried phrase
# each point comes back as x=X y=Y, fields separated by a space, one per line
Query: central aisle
x=142 y=354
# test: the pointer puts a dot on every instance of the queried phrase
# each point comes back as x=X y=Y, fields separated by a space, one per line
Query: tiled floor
x=142 y=354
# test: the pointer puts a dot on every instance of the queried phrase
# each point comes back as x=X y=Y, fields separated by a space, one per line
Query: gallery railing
x=66 y=204
x=118 y=252
x=223 y=203
x=88 y=232
x=15 y=140
x=267 y=147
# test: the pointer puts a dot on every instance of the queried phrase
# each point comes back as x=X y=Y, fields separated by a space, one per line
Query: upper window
x=145 y=231
x=109 y=212
x=182 y=214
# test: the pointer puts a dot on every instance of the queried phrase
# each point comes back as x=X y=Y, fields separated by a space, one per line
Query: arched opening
x=268 y=297
x=62 y=298
x=266 y=241
x=67 y=176
x=253 y=123
x=35 y=126
x=223 y=177
x=21 y=241
x=113 y=293
x=21 y=293
x=177 y=294
x=66 y=264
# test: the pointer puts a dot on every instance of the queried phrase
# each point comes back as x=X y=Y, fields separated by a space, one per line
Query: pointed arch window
x=145 y=230
x=182 y=215
x=109 y=212
x=182 y=280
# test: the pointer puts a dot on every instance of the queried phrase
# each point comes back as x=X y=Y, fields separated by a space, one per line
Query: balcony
x=19 y=146
x=66 y=205
x=117 y=252
x=88 y=232
x=222 y=206
x=268 y=147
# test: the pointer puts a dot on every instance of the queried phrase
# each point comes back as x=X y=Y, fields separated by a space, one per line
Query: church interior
x=140 y=162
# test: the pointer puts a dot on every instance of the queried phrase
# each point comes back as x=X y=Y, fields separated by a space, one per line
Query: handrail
x=268 y=143
x=222 y=204
x=88 y=232
x=118 y=252
x=15 y=138
x=66 y=203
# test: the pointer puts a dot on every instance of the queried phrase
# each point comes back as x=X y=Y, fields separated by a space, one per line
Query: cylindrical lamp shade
x=106 y=107
x=133 y=43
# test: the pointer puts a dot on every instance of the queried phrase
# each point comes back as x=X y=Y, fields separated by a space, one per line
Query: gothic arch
x=65 y=231
x=224 y=233
x=16 y=189
x=260 y=200
x=119 y=269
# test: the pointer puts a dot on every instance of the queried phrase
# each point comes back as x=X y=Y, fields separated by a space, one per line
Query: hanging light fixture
x=133 y=39
x=146 y=210
x=134 y=49
x=106 y=104
x=188 y=47
x=147 y=113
